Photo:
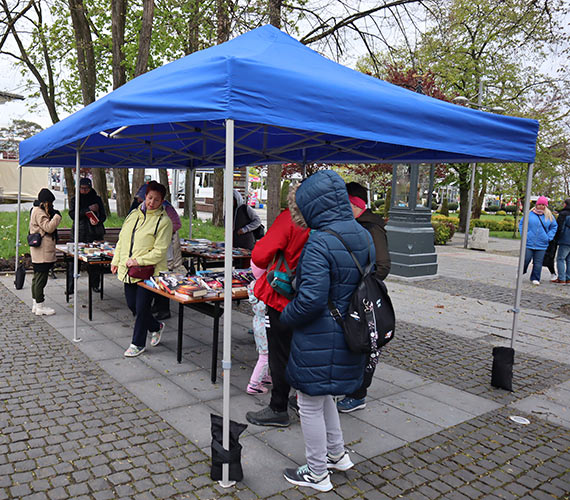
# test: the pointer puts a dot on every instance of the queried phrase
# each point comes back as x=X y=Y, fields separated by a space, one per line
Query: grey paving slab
x=199 y=384
x=192 y=421
x=287 y=441
x=465 y=401
x=126 y=370
x=399 y=377
x=366 y=439
x=164 y=362
x=160 y=393
x=263 y=468
x=544 y=408
x=85 y=332
x=101 y=349
x=396 y=422
x=381 y=388
x=424 y=407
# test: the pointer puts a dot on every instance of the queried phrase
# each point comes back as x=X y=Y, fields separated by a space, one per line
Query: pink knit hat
x=542 y=200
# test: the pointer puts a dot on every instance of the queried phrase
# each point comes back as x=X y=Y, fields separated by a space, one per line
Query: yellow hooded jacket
x=150 y=232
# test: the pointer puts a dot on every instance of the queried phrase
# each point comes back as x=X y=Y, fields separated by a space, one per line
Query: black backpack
x=370 y=320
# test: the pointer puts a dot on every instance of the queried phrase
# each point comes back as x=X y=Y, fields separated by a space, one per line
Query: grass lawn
x=200 y=229
x=504 y=234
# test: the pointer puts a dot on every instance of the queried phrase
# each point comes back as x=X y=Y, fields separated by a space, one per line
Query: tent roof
x=289 y=104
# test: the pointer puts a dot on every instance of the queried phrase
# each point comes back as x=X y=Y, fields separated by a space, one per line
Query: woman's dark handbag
x=34 y=239
x=20 y=276
x=141 y=272
x=97 y=231
x=282 y=281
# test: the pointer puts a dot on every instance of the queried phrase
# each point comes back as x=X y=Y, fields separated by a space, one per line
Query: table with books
x=211 y=254
x=92 y=254
x=202 y=292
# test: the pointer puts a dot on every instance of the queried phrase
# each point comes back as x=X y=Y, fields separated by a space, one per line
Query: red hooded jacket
x=283 y=235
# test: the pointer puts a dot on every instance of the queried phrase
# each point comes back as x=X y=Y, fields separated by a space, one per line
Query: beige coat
x=40 y=223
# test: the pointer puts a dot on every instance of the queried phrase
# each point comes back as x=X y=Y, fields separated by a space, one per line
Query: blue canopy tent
x=265 y=98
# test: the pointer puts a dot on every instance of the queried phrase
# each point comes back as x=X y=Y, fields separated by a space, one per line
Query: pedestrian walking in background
x=357 y=195
x=284 y=242
x=541 y=230
x=562 y=237
x=143 y=241
x=44 y=220
x=320 y=364
x=91 y=228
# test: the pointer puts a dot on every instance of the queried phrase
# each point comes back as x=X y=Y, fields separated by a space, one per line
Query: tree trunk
x=138 y=180
x=274 y=171
x=189 y=190
x=163 y=178
x=463 y=170
x=120 y=175
x=218 y=214
x=145 y=37
x=223 y=30
x=273 y=193
x=479 y=196
x=87 y=76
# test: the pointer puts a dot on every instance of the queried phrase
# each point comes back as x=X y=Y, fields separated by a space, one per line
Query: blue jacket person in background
x=320 y=364
x=541 y=229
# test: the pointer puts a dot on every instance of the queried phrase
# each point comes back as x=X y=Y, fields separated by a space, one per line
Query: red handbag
x=141 y=272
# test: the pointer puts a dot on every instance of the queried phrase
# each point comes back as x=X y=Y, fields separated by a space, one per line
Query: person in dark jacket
x=89 y=230
x=245 y=222
x=562 y=238
x=375 y=224
x=320 y=364
x=285 y=238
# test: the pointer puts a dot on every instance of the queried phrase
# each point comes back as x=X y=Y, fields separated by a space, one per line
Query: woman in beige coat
x=44 y=220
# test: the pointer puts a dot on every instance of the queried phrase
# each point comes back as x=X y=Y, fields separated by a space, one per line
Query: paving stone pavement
x=68 y=429
x=503 y=294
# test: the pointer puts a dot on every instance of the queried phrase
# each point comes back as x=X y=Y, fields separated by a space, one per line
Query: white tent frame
x=227 y=152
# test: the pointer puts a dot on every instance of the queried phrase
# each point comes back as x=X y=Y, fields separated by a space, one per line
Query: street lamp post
x=479 y=104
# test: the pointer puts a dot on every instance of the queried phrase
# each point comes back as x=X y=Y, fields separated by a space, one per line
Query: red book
x=92 y=217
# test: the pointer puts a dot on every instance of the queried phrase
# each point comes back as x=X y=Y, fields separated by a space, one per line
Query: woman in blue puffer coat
x=541 y=229
x=320 y=364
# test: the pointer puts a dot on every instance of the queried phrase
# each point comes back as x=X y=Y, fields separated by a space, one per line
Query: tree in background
x=16 y=132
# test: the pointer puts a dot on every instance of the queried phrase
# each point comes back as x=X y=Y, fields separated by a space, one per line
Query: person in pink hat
x=541 y=230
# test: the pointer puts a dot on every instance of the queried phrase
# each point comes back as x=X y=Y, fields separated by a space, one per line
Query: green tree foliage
x=16 y=132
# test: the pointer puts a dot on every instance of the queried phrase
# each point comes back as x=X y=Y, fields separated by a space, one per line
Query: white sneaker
x=535 y=282
x=303 y=476
x=155 y=336
x=553 y=277
x=33 y=306
x=339 y=463
x=43 y=310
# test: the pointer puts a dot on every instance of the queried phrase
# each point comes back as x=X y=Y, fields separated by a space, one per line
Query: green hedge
x=492 y=225
x=441 y=233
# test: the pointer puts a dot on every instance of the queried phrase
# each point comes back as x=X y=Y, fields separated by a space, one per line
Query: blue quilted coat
x=320 y=362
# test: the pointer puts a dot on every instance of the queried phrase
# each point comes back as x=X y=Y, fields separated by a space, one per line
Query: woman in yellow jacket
x=143 y=240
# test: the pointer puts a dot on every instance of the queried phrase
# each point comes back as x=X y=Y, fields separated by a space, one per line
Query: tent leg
x=516 y=309
x=18 y=217
x=228 y=261
x=76 y=246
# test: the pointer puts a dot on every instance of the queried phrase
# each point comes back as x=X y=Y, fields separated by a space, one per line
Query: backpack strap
x=335 y=313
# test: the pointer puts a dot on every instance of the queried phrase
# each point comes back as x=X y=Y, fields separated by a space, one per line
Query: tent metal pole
x=469 y=205
x=226 y=361
x=76 y=246
x=516 y=308
x=18 y=215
